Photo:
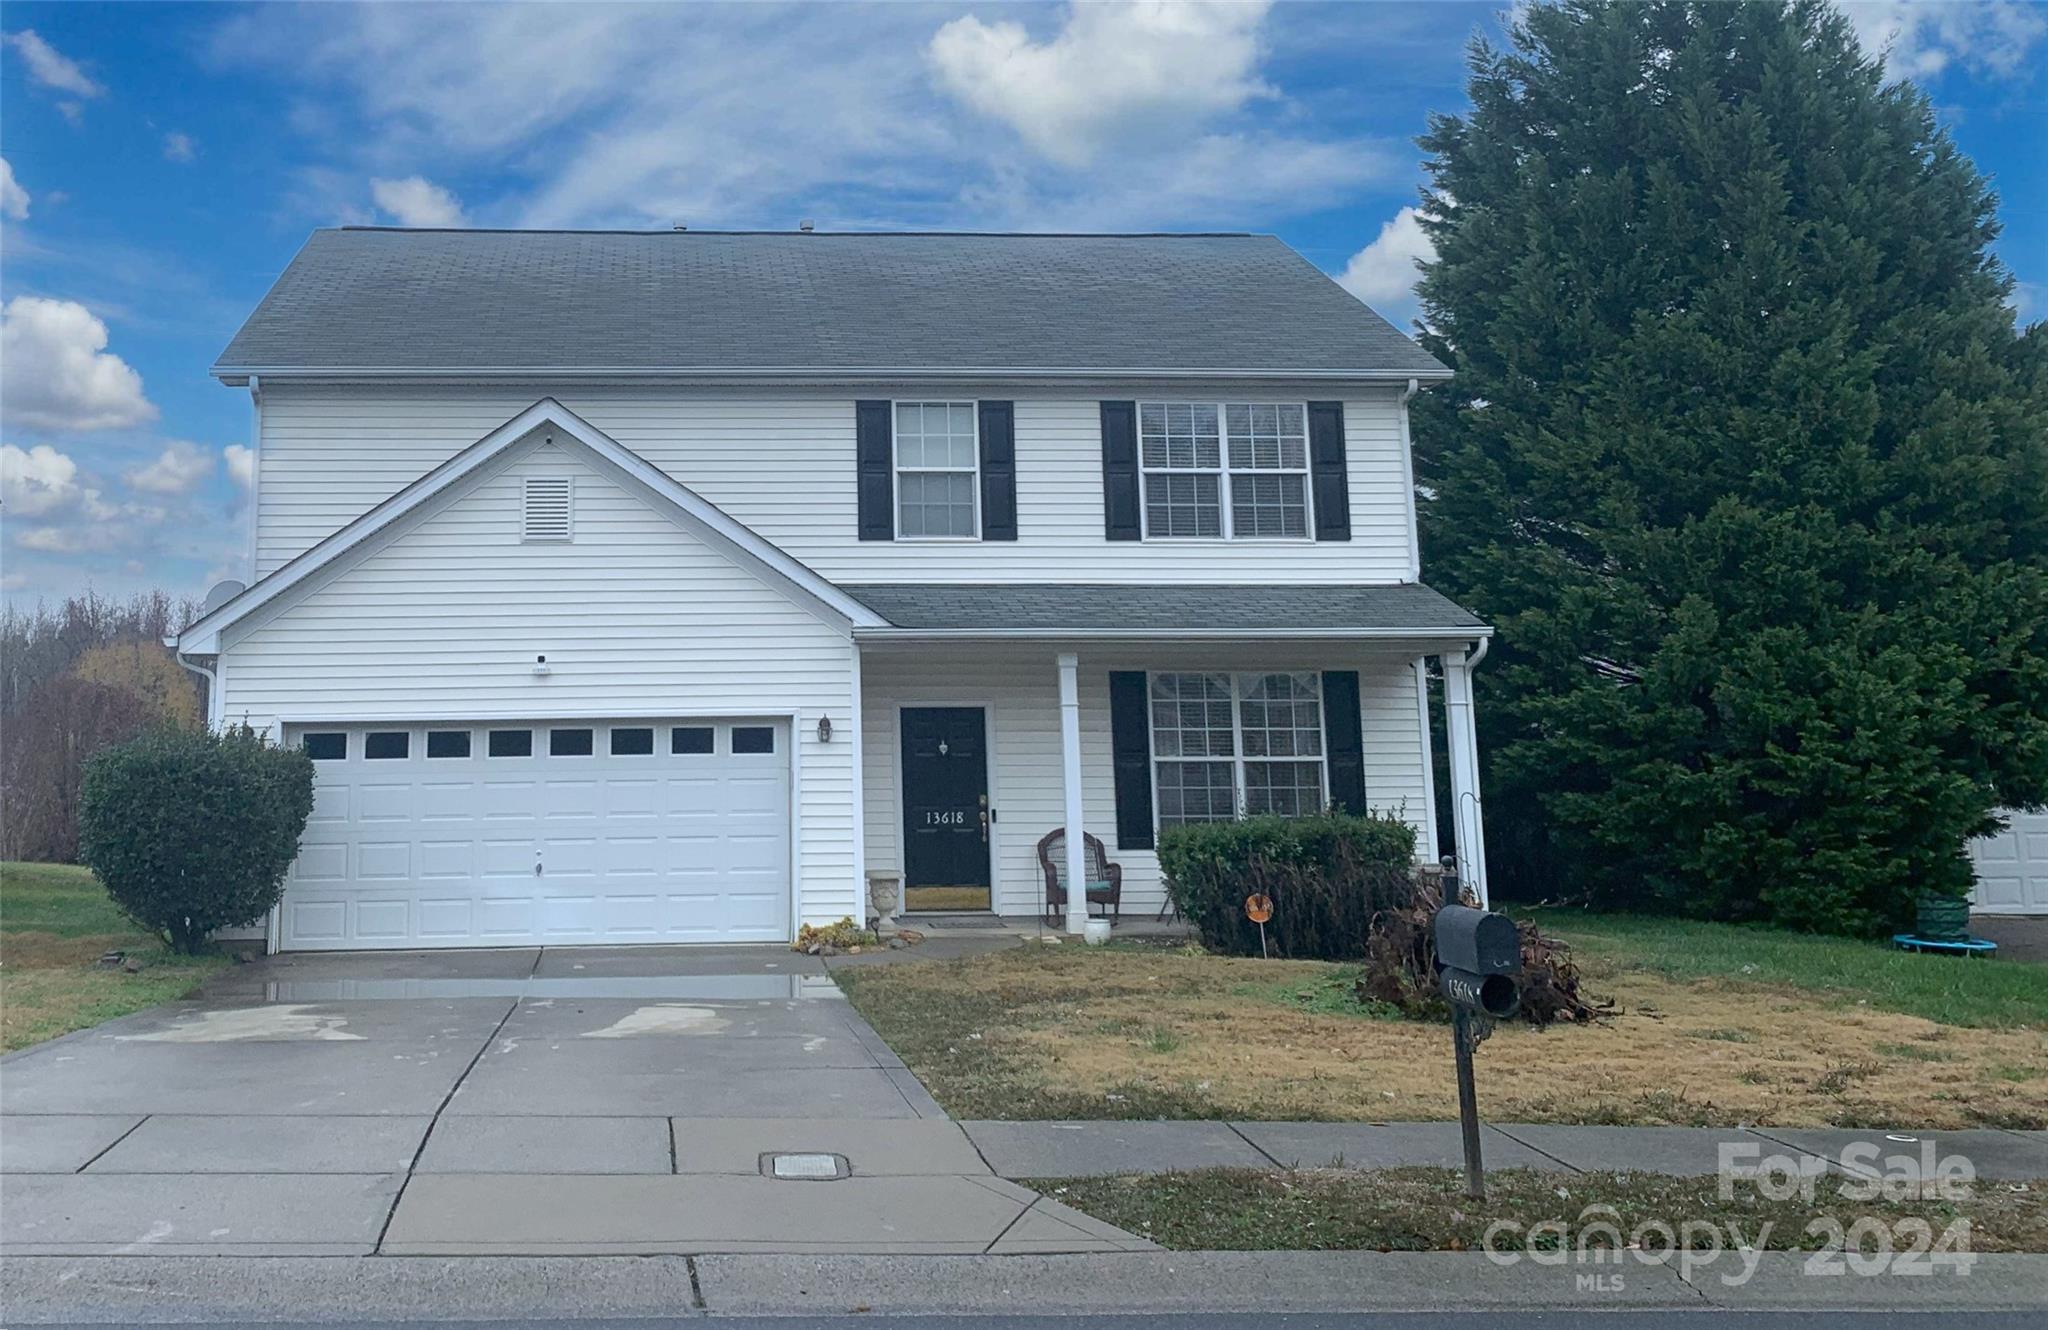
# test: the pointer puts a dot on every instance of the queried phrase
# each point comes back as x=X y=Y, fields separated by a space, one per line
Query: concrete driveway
x=538 y=1102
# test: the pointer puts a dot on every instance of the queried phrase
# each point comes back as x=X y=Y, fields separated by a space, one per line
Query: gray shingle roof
x=705 y=302
x=1057 y=606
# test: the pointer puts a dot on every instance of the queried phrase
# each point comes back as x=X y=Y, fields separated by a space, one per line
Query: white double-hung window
x=1231 y=744
x=1224 y=470
x=937 y=470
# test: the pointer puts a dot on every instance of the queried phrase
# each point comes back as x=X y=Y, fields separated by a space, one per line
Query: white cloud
x=178 y=469
x=56 y=373
x=1113 y=71
x=50 y=67
x=241 y=464
x=2028 y=301
x=837 y=112
x=179 y=147
x=13 y=198
x=417 y=201
x=1383 y=274
x=1920 y=39
x=37 y=482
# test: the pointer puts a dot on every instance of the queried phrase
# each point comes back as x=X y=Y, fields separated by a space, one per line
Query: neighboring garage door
x=2012 y=867
x=491 y=834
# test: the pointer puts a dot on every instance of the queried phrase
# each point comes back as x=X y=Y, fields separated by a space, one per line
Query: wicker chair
x=1105 y=879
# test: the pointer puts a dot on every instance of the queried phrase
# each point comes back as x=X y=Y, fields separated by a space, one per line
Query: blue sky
x=163 y=162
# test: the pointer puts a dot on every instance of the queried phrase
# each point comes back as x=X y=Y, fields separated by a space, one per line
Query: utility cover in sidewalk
x=805 y=1167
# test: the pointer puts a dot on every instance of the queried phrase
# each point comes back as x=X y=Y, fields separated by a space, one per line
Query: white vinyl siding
x=783 y=464
x=635 y=616
x=1020 y=686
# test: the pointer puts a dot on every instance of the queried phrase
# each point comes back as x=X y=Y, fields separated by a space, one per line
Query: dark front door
x=945 y=809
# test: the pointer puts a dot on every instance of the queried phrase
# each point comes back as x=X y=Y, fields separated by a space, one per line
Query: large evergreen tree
x=1745 y=459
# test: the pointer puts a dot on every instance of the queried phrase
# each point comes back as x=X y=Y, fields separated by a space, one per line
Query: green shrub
x=190 y=831
x=1328 y=876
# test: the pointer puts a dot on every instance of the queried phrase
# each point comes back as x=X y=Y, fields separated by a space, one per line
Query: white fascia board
x=1459 y=636
x=734 y=537
x=236 y=375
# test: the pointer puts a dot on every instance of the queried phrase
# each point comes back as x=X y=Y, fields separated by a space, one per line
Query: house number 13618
x=952 y=819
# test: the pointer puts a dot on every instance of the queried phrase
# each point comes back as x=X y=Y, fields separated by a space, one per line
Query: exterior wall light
x=824 y=729
x=540 y=667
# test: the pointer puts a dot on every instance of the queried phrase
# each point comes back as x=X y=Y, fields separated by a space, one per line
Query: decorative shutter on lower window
x=1130 y=746
x=1343 y=740
x=1120 y=519
x=875 y=464
x=998 y=471
x=1327 y=471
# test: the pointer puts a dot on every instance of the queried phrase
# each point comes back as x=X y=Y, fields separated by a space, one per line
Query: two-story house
x=635 y=587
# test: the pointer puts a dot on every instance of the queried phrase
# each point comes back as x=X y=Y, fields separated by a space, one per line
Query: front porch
x=973 y=750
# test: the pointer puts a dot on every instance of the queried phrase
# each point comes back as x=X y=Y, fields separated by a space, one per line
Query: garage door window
x=634 y=742
x=690 y=739
x=511 y=743
x=447 y=743
x=327 y=747
x=753 y=739
x=569 y=743
x=386 y=745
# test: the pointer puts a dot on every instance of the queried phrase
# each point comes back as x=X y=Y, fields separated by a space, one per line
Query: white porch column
x=1070 y=765
x=856 y=722
x=1463 y=741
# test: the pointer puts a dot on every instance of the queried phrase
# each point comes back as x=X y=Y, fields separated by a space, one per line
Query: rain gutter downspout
x=1408 y=481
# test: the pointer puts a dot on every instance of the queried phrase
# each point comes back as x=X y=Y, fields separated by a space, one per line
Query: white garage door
x=491 y=834
x=2012 y=867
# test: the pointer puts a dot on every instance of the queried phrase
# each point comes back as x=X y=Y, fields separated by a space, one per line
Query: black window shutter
x=1120 y=473
x=1343 y=741
x=998 y=471
x=875 y=464
x=1326 y=470
x=1130 y=746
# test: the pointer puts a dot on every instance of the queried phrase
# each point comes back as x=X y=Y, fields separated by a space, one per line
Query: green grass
x=55 y=922
x=1425 y=1209
x=1990 y=994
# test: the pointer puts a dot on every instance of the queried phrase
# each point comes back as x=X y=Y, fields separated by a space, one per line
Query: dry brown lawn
x=1069 y=1032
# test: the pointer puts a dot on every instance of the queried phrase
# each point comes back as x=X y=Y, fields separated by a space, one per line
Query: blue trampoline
x=1969 y=946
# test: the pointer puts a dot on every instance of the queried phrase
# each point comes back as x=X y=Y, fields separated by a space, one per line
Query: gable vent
x=547 y=508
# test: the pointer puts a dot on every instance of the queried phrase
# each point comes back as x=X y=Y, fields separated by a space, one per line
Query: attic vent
x=547 y=508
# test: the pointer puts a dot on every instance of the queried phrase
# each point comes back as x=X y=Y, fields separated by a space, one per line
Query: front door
x=945 y=809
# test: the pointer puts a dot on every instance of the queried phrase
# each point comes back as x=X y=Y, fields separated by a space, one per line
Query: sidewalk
x=1083 y=1149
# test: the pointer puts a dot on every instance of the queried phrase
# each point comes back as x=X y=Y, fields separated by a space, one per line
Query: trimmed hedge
x=190 y=831
x=1328 y=876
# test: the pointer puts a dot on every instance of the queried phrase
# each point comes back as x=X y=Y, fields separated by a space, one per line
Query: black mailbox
x=1479 y=942
x=1495 y=995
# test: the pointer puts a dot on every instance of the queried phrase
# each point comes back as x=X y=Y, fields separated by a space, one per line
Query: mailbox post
x=1479 y=954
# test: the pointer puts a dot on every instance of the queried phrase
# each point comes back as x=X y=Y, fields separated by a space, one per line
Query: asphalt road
x=1492 y=1320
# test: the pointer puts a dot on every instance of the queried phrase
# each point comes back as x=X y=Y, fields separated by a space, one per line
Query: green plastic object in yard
x=1944 y=918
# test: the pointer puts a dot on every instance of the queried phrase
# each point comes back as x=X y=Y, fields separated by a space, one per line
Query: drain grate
x=805 y=1167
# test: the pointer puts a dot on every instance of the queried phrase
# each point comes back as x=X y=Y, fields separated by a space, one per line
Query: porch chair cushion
x=1105 y=886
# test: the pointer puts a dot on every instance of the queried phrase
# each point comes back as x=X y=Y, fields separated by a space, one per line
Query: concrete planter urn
x=885 y=894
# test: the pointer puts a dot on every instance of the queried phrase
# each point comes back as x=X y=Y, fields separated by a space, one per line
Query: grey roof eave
x=239 y=375
x=1454 y=633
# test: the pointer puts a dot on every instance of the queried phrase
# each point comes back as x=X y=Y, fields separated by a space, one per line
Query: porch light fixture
x=824 y=729
x=540 y=667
